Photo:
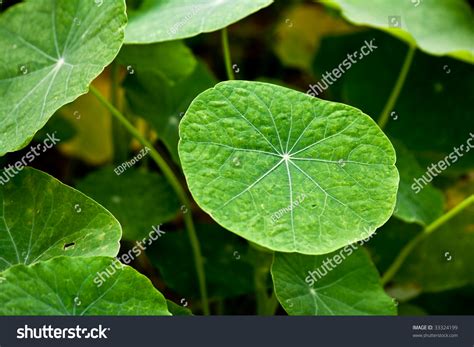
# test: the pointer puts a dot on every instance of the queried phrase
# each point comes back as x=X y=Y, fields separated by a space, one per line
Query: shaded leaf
x=444 y=259
x=435 y=87
x=170 y=61
x=163 y=103
x=223 y=252
x=137 y=198
x=420 y=206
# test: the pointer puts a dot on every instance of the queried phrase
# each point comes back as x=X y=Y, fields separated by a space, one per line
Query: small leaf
x=72 y=287
x=285 y=170
x=420 y=205
x=152 y=198
x=51 y=61
x=350 y=287
x=42 y=218
x=172 y=61
x=408 y=21
x=167 y=20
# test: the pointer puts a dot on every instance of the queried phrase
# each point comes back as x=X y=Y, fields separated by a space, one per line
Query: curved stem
x=227 y=59
x=392 y=270
x=176 y=185
x=120 y=138
x=392 y=100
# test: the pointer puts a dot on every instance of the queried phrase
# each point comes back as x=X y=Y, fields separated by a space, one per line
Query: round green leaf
x=166 y=20
x=51 y=61
x=285 y=170
x=152 y=198
x=42 y=218
x=68 y=286
x=437 y=27
x=350 y=286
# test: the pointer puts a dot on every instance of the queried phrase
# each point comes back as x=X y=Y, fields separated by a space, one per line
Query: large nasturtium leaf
x=449 y=29
x=72 y=287
x=139 y=199
x=350 y=286
x=51 y=61
x=285 y=170
x=420 y=205
x=163 y=103
x=42 y=218
x=167 y=20
x=223 y=253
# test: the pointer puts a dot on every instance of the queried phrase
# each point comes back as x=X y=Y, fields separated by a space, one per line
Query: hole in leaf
x=68 y=246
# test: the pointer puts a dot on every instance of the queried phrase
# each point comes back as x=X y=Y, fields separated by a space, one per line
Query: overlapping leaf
x=163 y=103
x=287 y=171
x=72 y=287
x=167 y=20
x=414 y=203
x=42 y=218
x=341 y=283
x=139 y=199
x=51 y=61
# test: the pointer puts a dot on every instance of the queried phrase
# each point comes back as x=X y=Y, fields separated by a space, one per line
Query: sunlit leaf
x=51 y=51
x=285 y=170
